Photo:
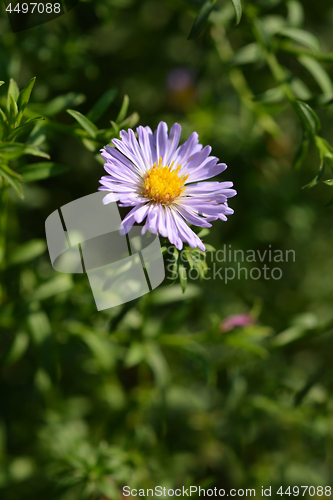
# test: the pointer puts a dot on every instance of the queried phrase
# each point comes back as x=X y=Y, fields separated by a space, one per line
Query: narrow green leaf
x=17 y=349
x=329 y=182
x=308 y=117
x=11 y=151
x=3 y=119
x=318 y=176
x=271 y=96
x=24 y=98
x=43 y=170
x=123 y=110
x=13 y=90
x=85 y=123
x=130 y=121
x=319 y=74
x=12 y=112
x=295 y=13
x=34 y=151
x=1 y=83
x=102 y=105
x=27 y=252
x=249 y=54
x=11 y=172
x=302 y=151
x=302 y=37
x=24 y=128
x=12 y=180
x=238 y=10
x=329 y=159
x=202 y=17
x=56 y=285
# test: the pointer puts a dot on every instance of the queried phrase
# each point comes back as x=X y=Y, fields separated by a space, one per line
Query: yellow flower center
x=162 y=184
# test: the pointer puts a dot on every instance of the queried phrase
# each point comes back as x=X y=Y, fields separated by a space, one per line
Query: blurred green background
x=159 y=392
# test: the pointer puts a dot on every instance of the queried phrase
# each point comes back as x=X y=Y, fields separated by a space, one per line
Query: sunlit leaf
x=249 y=54
x=17 y=349
x=85 y=123
x=123 y=110
x=302 y=37
x=24 y=98
x=295 y=13
x=13 y=90
x=238 y=10
x=27 y=252
x=271 y=96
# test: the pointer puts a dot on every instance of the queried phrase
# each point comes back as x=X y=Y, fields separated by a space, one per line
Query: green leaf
x=319 y=74
x=17 y=349
x=238 y=10
x=271 y=96
x=11 y=151
x=308 y=117
x=102 y=105
x=123 y=109
x=34 y=151
x=27 y=252
x=328 y=157
x=85 y=123
x=24 y=128
x=42 y=170
x=13 y=91
x=295 y=13
x=202 y=17
x=130 y=121
x=302 y=151
x=57 y=285
x=24 y=98
x=249 y=54
x=12 y=112
x=174 y=293
x=11 y=178
x=318 y=176
x=182 y=277
x=329 y=182
x=1 y=83
x=302 y=37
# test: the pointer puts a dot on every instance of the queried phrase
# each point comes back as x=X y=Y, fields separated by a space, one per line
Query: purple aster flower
x=163 y=182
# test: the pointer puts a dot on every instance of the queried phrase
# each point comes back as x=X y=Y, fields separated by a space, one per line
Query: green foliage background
x=153 y=392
